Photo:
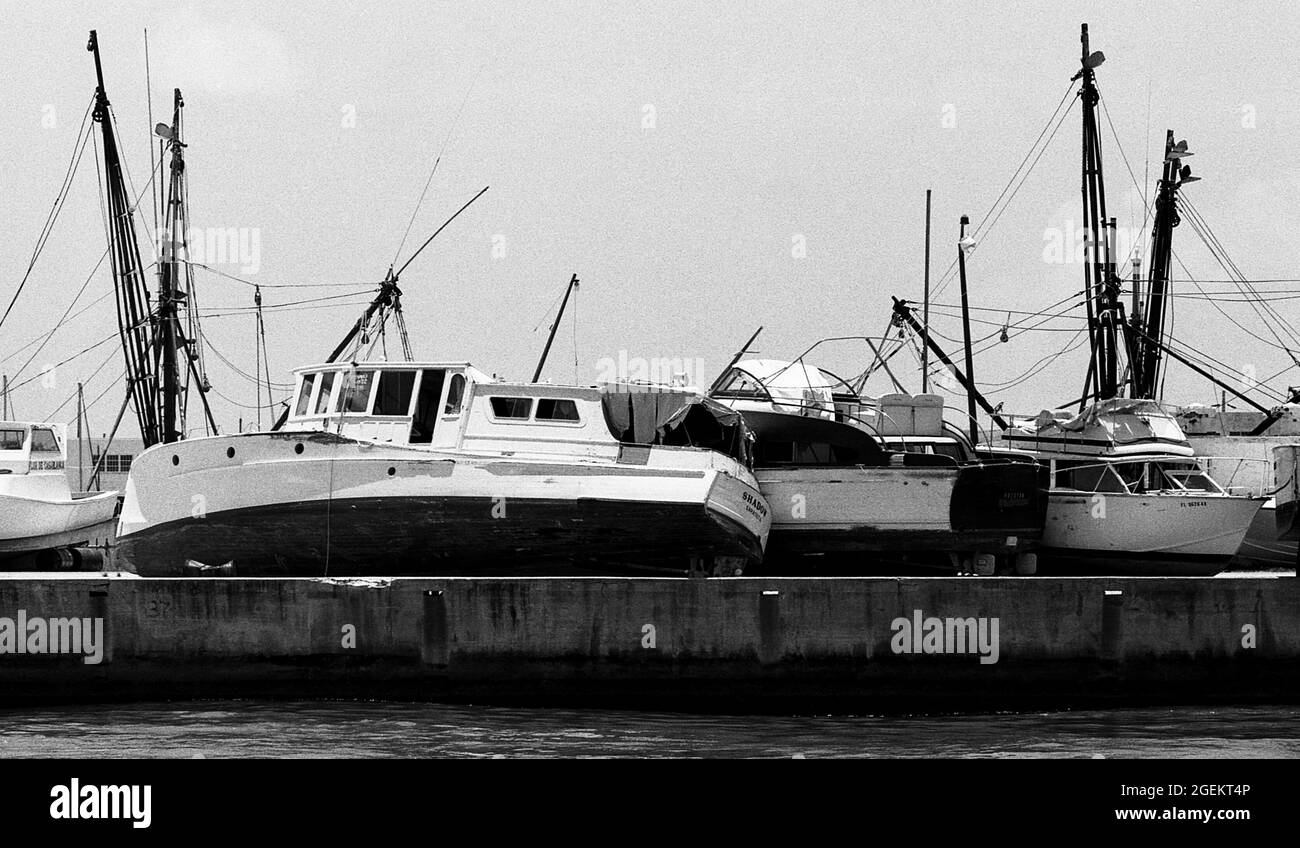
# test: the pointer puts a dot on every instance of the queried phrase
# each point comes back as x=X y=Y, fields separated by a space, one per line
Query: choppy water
x=384 y=729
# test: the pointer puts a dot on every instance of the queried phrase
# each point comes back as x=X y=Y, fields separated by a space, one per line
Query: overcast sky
x=703 y=168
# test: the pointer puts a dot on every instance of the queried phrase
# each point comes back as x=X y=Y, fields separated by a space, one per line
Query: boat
x=42 y=522
x=437 y=469
x=1128 y=493
x=844 y=502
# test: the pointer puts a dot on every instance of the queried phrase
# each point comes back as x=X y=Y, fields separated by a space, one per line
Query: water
x=213 y=729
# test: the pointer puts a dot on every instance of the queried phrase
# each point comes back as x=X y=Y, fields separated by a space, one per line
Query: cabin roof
x=14 y=424
x=385 y=365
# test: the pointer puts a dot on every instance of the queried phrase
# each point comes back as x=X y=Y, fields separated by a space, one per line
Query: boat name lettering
x=36 y=635
x=755 y=502
x=922 y=635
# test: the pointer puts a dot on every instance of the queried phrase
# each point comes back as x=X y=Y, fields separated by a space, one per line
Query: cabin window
x=455 y=395
x=742 y=384
x=355 y=396
x=12 y=439
x=43 y=441
x=1184 y=477
x=552 y=409
x=1092 y=477
x=512 y=407
x=426 y=406
x=304 y=397
x=326 y=386
x=395 y=390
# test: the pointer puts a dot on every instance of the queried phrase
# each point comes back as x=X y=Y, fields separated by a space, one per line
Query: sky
x=705 y=169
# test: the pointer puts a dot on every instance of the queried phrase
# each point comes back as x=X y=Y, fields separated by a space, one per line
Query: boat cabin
x=452 y=405
x=32 y=456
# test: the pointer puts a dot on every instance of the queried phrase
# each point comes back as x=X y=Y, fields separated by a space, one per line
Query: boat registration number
x=51 y=465
x=1194 y=503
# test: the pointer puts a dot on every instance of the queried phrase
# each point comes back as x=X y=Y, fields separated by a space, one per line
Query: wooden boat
x=436 y=469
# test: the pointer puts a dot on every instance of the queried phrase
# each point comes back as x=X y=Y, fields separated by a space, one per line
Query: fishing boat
x=844 y=502
x=428 y=468
x=41 y=520
x=1128 y=493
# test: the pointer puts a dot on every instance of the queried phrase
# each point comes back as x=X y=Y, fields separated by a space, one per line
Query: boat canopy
x=1116 y=425
x=792 y=387
x=662 y=415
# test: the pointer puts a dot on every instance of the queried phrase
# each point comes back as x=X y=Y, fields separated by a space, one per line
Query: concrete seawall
x=736 y=643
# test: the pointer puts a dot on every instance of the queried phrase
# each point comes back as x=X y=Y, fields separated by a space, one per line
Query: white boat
x=39 y=514
x=1129 y=495
x=437 y=469
x=842 y=502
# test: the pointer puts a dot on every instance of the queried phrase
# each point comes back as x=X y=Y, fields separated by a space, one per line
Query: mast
x=1101 y=283
x=965 y=331
x=136 y=326
x=169 y=274
x=1147 y=373
x=925 y=323
x=541 y=363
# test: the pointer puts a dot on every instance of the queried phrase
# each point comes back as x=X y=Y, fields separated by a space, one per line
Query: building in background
x=84 y=453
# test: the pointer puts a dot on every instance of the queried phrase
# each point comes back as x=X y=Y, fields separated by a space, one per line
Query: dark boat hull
x=432 y=536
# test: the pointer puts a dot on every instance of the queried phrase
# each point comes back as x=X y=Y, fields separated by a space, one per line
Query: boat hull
x=341 y=507
x=28 y=524
x=900 y=511
x=1167 y=534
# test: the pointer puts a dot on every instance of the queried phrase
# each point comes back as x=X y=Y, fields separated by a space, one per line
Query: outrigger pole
x=903 y=314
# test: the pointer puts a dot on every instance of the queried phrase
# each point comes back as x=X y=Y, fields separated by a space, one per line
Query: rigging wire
x=252 y=284
x=980 y=231
x=60 y=198
x=434 y=170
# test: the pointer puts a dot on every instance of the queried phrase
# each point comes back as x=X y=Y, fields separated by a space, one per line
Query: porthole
x=230 y=453
x=176 y=460
x=392 y=472
x=297 y=448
